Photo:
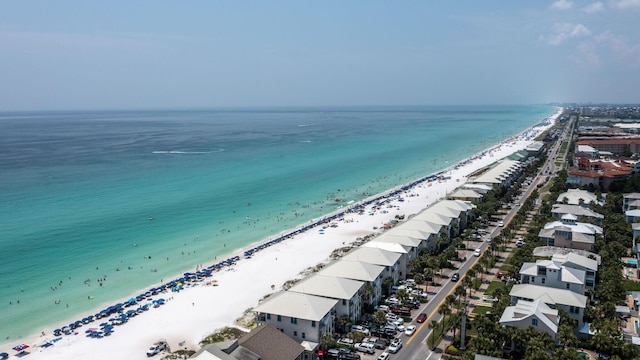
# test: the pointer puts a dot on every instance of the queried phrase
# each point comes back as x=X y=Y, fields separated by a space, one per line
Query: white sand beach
x=197 y=311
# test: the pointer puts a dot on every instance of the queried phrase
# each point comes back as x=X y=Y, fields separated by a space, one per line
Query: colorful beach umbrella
x=21 y=347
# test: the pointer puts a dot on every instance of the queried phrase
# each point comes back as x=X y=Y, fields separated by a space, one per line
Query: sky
x=85 y=55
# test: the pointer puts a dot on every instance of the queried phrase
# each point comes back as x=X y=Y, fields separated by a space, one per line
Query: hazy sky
x=164 y=54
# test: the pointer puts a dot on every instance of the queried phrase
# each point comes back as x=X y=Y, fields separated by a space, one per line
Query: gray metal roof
x=328 y=286
x=297 y=305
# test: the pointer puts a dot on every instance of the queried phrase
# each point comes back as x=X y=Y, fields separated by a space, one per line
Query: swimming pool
x=633 y=262
x=583 y=355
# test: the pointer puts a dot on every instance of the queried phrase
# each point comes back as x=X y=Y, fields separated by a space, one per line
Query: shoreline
x=144 y=330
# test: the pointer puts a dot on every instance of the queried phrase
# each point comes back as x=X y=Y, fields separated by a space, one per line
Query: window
x=304 y=336
x=295 y=333
x=533 y=279
x=313 y=324
x=294 y=320
x=534 y=322
x=279 y=318
x=268 y=316
x=568 y=285
x=344 y=301
x=542 y=280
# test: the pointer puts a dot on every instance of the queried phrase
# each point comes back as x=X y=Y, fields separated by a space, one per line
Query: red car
x=421 y=318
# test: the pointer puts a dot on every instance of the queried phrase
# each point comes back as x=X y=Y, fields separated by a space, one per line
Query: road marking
x=426 y=321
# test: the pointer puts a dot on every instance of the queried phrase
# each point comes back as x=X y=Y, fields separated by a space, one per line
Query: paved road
x=415 y=347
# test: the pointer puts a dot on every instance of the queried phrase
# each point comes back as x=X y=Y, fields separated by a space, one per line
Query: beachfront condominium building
x=302 y=317
x=410 y=243
x=426 y=232
x=371 y=274
x=346 y=291
x=395 y=264
x=568 y=233
x=551 y=274
x=567 y=300
x=536 y=314
x=501 y=173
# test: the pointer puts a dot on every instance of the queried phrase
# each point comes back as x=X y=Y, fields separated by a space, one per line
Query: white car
x=410 y=330
x=501 y=223
x=395 y=346
x=366 y=348
x=477 y=252
x=519 y=243
x=489 y=298
x=384 y=356
x=360 y=328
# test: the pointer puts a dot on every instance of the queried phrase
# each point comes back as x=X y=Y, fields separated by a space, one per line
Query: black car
x=381 y=343
x=455 y=277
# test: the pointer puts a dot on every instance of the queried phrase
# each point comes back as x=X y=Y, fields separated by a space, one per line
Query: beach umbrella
x=21 y=347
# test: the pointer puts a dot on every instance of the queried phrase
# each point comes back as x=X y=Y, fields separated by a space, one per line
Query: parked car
x=489 y=298
x=383 y=356
x=519 y=243
x=349 y=356
x=381 y=343
x=396 y=344
x=410 y=330
x=421 y=318
x=365 y=347
x=156 y=348
x=384 y=308
x=455 y=277
x=360 y=328
x=345 y=341
x=477 y=252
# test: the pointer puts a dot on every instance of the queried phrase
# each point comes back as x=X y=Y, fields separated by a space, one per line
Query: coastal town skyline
x=69 y=56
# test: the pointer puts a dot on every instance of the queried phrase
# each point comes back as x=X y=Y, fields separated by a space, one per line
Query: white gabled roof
x=455 y=204
x=549 y=295
x=575 y=210
x=634 y=213
x=569 y=217
x=355 y=270
x=328 y=286
x=465 y=194
x=584 y=228
x=531 y=309
x=529 y=268
x=433 y=216
x=499 y=172
x=420 y=225
x=573 y=276
x=574 y=195
x=388 y=246
x=414 y=233
x=631 y=196
x=373 y=256
x=577 y=259
x=398 y=239
x=297 y=305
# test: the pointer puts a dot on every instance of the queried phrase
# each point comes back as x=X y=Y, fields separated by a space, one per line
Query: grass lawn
x=630 y=285
x=481 y=310
x=493 y=286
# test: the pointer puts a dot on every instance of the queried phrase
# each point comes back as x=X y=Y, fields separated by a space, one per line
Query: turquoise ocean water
x=133 y=197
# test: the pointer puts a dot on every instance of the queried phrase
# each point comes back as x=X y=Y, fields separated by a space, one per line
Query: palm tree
x=444 y=310
x=433 y=325
x=428 y=274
